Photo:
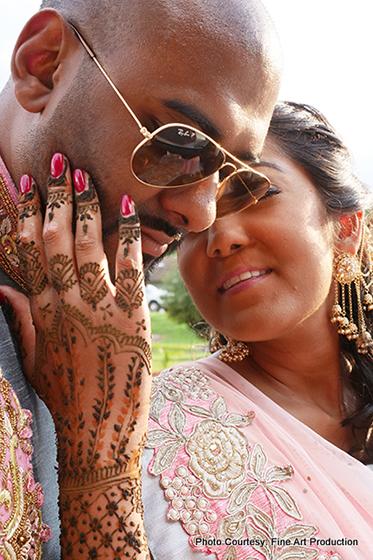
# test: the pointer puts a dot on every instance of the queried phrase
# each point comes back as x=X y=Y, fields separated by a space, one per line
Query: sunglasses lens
x=176 y=156
x=239 y=191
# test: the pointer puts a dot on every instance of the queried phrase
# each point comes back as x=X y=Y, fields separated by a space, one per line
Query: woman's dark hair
x=305 y=136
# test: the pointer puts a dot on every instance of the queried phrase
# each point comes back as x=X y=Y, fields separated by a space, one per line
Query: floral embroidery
x=191 y=381
x=220 y=487
x=21 y=529
x=218 y=456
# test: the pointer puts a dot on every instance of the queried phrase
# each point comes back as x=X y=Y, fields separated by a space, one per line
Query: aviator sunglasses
x=178 y=155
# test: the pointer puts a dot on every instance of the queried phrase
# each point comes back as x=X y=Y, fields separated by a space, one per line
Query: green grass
x=174 y=342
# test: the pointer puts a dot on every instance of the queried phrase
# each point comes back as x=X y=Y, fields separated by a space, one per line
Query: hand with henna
x=92 y=360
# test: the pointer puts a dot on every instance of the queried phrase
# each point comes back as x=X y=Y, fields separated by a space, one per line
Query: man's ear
x=349 y=233
x=42 y=44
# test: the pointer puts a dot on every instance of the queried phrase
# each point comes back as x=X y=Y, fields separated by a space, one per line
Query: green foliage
x=174 y=343
x=169 y=331
x=180 y=305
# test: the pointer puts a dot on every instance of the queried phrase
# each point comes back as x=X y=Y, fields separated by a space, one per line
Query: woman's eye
x=271 y=191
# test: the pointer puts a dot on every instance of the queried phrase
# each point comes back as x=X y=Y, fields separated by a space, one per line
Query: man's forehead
x=214 y=81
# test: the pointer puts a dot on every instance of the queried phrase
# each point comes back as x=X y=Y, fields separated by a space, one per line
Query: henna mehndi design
x=141 y=325
x=56 y=192
x=26 y=204
x=87 y=204
x=129 y=231
x=55 y=200
x=110 y=528
x=106 y=310
x=45 y=309
x=95 y=378
x=99 y=475
x=93 y=287
x=62 y=273
x=120 y=339
x=33 y=273
x=130 y=295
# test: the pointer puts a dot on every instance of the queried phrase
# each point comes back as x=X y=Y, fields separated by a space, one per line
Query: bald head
x=241 y=22
x=234 y=43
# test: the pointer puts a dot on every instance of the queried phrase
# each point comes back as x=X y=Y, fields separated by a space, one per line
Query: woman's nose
x=226 y=237
x=192 y=207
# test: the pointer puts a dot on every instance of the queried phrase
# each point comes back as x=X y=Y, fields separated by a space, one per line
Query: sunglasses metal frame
x=226 y=154
x=148 y=136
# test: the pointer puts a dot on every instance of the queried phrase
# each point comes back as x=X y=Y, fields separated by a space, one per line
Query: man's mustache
x=159 y=224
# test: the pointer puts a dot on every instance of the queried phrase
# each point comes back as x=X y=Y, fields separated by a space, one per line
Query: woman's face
x=261 y=273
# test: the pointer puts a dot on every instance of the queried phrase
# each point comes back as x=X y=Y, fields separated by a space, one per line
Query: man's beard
x=149 y=262
x=159 y=224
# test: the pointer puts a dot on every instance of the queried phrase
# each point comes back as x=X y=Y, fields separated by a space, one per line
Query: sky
x=327 y=50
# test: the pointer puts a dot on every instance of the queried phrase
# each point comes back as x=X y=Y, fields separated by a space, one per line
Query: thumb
x=16 y=308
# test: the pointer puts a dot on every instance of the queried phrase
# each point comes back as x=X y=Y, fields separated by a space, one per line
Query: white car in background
x=155 y=296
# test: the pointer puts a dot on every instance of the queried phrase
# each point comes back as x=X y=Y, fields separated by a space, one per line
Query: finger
x=31 y=254
x=16 y=307
x=90 y=256
x=129 y=270
x=57 y=233
x=130 y=298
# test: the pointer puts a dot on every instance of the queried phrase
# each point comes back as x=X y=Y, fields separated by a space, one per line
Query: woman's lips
x=240 y=276
x=154 y=242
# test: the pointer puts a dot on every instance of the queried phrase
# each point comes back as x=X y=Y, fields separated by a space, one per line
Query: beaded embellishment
x=22 y=531
x=220 y=487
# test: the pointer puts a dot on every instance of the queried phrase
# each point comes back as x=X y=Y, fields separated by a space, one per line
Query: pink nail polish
x=126 y=207
x=25 y=184
x=79 y=181
x=57 y=165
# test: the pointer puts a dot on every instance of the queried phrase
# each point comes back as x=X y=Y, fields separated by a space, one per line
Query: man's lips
x=154 y=242
x=241 y=275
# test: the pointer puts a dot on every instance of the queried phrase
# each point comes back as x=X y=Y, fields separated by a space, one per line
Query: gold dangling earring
x=347 y=270
x=367 y=279
x=233 y=350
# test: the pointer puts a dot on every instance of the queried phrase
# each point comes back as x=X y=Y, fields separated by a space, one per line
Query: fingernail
x=2 y=298
x=127 y=208
x=25 y=184
x=79 y=181
x=57 y=165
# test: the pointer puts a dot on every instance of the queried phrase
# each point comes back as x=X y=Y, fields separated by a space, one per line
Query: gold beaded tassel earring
x=347 y=270
x=368 y=298
x=233 y=350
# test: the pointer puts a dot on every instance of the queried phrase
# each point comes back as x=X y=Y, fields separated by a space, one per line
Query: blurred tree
x=180 y=305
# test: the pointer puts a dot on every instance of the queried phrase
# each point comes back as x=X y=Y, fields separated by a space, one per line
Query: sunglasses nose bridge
x=226 y=170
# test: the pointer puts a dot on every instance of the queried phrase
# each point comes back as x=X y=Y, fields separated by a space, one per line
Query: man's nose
x=192 y=207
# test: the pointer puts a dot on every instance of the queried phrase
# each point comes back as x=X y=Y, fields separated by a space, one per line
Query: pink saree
x=244 y=479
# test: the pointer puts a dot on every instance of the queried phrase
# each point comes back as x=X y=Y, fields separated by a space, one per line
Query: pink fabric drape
x=246 y=479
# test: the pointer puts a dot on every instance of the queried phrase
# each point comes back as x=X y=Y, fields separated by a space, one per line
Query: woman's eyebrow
x=270 y=164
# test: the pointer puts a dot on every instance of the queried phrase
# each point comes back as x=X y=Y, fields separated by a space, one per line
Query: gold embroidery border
x=10 y=212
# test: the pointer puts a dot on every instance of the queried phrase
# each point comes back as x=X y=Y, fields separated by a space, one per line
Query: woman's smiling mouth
x=241 y=277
